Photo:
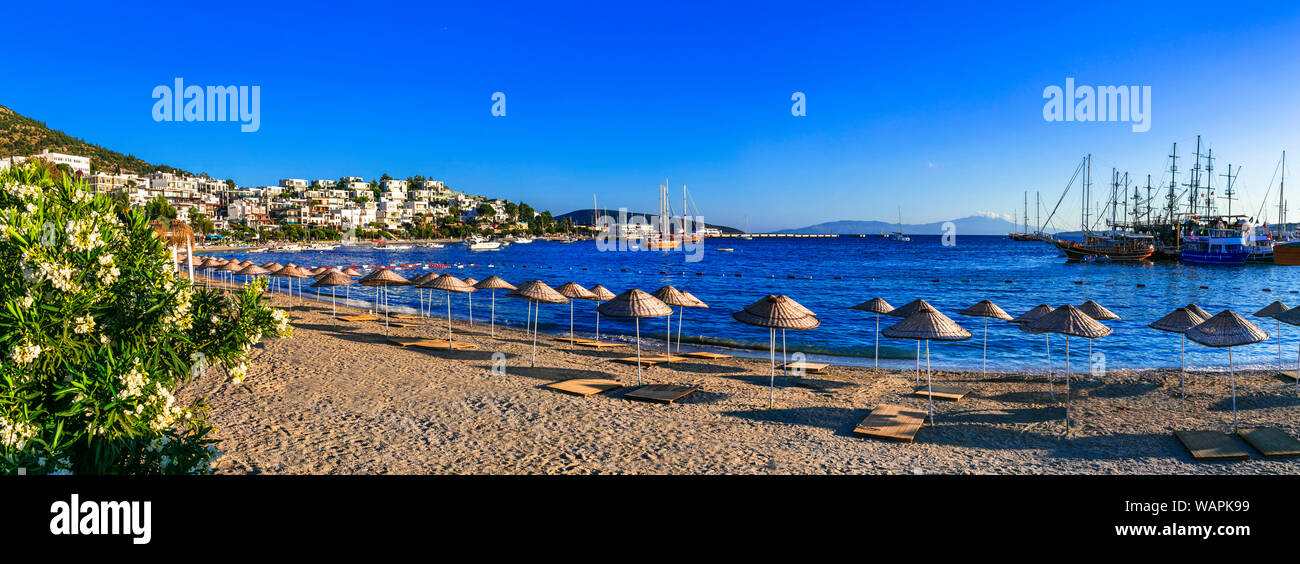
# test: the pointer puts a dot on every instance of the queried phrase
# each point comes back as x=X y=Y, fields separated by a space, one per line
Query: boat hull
x=1078 y=252
x=1287 y=254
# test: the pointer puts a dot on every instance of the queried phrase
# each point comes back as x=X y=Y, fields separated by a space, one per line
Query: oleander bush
x=97 y=329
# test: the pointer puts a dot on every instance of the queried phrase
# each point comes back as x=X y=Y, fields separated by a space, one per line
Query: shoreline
x=339 y=399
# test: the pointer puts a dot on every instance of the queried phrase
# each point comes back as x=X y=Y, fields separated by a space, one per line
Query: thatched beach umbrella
x=1069 y=321
x=449 y=284
x=1227 y=329
x=382 y=279
x=231 y=267
x=986 y=309
x=600 y=294
x=1179 y=321
x=470 y=282
x=537 y=293
x=573 y=291
x=333 y=279
x=1024 y=319
x=1272 y=310
x=420 y=292
x=928 y=325
x=635 y=304
x=696 y=302
x=906 y=310
x=1292 y=317
x=494 y=283
x=1197 y=310
x=879 y=307
x=776 y=312
x=1096 y=311
x=251 y=270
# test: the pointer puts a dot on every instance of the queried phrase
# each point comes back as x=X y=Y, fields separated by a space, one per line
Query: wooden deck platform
x=891 y=423
x=434 y=344
x=661 y=393
x=707 y=355
x=584 y=386
x=357 y=318
x=649 y=360
x=600 y=344
x=406 y=316
x=808 y=367
x=574 y=340
x=1211 y=446
x=945 y=393
x=1271 y=442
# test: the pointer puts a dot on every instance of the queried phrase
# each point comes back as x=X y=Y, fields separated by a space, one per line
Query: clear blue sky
x=937 y=109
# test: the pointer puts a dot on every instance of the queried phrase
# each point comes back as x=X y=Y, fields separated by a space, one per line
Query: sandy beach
x=337 y=398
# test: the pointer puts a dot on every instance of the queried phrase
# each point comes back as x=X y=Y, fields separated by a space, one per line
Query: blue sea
x=830 y=274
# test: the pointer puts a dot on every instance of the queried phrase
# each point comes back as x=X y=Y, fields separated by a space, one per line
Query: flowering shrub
x=97 y=330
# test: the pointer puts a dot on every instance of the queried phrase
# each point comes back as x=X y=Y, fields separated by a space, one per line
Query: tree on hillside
x=160 y=208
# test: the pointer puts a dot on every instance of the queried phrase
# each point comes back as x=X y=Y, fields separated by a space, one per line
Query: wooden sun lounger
x=574 y=340
x=1271 y=442
x=1211 y=446
x=600 y=344
x=808 y=367
x=661 y=393
x=665 y=358
x=946 y=393
x=649 y=360
x=435 y=344
x=585 y=387
x=707 y=355
x=406 y=316
x=357 y=318
x=891 y=423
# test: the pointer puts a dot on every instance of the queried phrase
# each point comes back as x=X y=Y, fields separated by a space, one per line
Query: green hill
x=24 y=136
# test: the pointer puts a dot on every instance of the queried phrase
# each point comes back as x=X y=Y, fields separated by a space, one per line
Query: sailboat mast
x=1281 y=204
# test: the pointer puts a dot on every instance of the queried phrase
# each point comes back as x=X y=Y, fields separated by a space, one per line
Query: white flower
x=23 y=353
x=84 y=324
x=27 y=302
x=133 y=383
x=238 y=373
x=14 y=434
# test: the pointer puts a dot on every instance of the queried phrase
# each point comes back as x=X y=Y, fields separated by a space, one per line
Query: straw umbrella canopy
x=676 y=298
x=417 y=281
x=537 y=293
x=695 y=302
x=232 y=266
x=470 y=282
x=776 y=312
x=1024 y=320
x=573 y=291
x=928 y=325
x=1198 y=310
x=879 y=307
x=1272 y=310
x=1179 y=321
x=449 y=284
x=1292 y=317
x=1069 y=321
x=352 y=272
x=1227 y=329
x=635 y=304
x=1095 y=310
x=599 y=294
x=332 y=279
x=986 y=309
x=251 y=270
x=382 y=279
x=494 y=283
x=906 y=310
x=292 y=271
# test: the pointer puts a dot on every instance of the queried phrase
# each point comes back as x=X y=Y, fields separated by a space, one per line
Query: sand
x=337 y=398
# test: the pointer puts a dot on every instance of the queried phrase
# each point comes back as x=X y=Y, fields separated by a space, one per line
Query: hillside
x=584 y=217
x=23 y=136
x=973 y=225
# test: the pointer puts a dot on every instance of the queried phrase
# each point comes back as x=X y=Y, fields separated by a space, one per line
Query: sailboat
x=1117 y=245
x=898 y=235
x=662 y=238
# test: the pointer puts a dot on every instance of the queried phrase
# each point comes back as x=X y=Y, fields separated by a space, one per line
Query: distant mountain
x=583 y=217
x=22 y=136
x=973 y=225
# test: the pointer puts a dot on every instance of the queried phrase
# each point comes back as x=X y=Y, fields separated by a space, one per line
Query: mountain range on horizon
x=971 y=225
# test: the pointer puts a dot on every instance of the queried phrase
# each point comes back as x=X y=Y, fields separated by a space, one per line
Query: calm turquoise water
x=950 y=278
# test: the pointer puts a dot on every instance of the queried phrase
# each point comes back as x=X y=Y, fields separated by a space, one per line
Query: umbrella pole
x=535 y=316
x=570 y=324
x=1067 y=384
x=449 y=348
x=929 y=387
x=1279 y=345
x=785 y=362
x=1182 y=365
x=681 y=315
x=668 y=352
x=471 y=308
x=877 y=340
x=771 y=389
x=598 y=322
x=1051 y=380
x=638 y=351
x=1297 y=371
x=494 y=314
x=985 y=362
x=334 y=305
x=1232 y=374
